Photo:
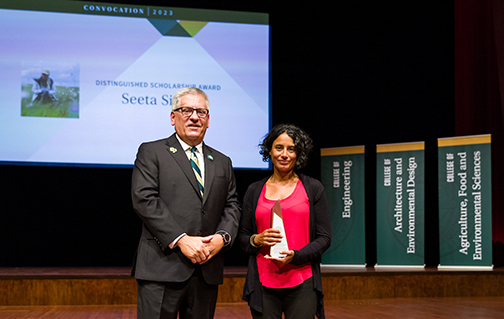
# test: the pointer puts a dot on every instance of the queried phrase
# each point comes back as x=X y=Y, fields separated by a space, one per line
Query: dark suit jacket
x=166 y=196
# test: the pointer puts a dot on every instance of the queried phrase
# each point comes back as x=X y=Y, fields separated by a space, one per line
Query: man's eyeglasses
x=188 y=111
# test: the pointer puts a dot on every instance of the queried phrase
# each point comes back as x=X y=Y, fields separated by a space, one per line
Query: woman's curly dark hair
x=302 y=143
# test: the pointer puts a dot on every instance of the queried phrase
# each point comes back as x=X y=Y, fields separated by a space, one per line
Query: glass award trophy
x=277 y=223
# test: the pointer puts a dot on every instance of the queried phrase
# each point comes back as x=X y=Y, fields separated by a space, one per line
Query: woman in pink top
x=289 y=283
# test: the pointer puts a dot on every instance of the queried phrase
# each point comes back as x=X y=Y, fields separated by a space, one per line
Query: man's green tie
x=196 y=169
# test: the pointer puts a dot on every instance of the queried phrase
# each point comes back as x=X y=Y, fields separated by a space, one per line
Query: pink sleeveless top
x=296 y=215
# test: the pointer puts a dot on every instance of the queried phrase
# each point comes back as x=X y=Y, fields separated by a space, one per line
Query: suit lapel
x=209 y=170
x=177 y=152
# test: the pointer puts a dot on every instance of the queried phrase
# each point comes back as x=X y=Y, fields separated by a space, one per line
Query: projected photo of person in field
x=50 y=89
x=44 y=90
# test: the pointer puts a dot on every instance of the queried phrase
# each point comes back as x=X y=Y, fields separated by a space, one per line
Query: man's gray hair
x=185 y=91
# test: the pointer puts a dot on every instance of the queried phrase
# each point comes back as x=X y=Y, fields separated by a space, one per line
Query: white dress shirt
x=201 y=162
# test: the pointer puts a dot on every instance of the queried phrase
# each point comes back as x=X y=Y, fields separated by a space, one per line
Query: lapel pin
x=173 y=150
x=210 y=157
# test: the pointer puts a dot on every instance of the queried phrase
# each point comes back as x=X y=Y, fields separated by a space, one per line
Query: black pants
x=192 y=299
x=44 y=97
x=298 y=302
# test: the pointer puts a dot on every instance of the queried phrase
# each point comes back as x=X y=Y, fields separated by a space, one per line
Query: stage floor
x=387 y=308
x=327 y=270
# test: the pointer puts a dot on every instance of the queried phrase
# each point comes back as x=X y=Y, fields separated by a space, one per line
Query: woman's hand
x=269 y=237
x=284 y=261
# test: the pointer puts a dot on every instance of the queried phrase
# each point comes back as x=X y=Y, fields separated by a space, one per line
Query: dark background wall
x=348 y=72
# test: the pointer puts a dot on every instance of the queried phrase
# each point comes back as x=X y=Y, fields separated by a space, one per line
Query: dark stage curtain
x=479 y=90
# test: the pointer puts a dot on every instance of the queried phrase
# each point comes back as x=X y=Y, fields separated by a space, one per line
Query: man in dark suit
x=185 y=193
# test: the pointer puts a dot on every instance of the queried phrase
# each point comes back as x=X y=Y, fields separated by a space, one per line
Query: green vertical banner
x=400 y=204
x=465 y=202
x=343 y=179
